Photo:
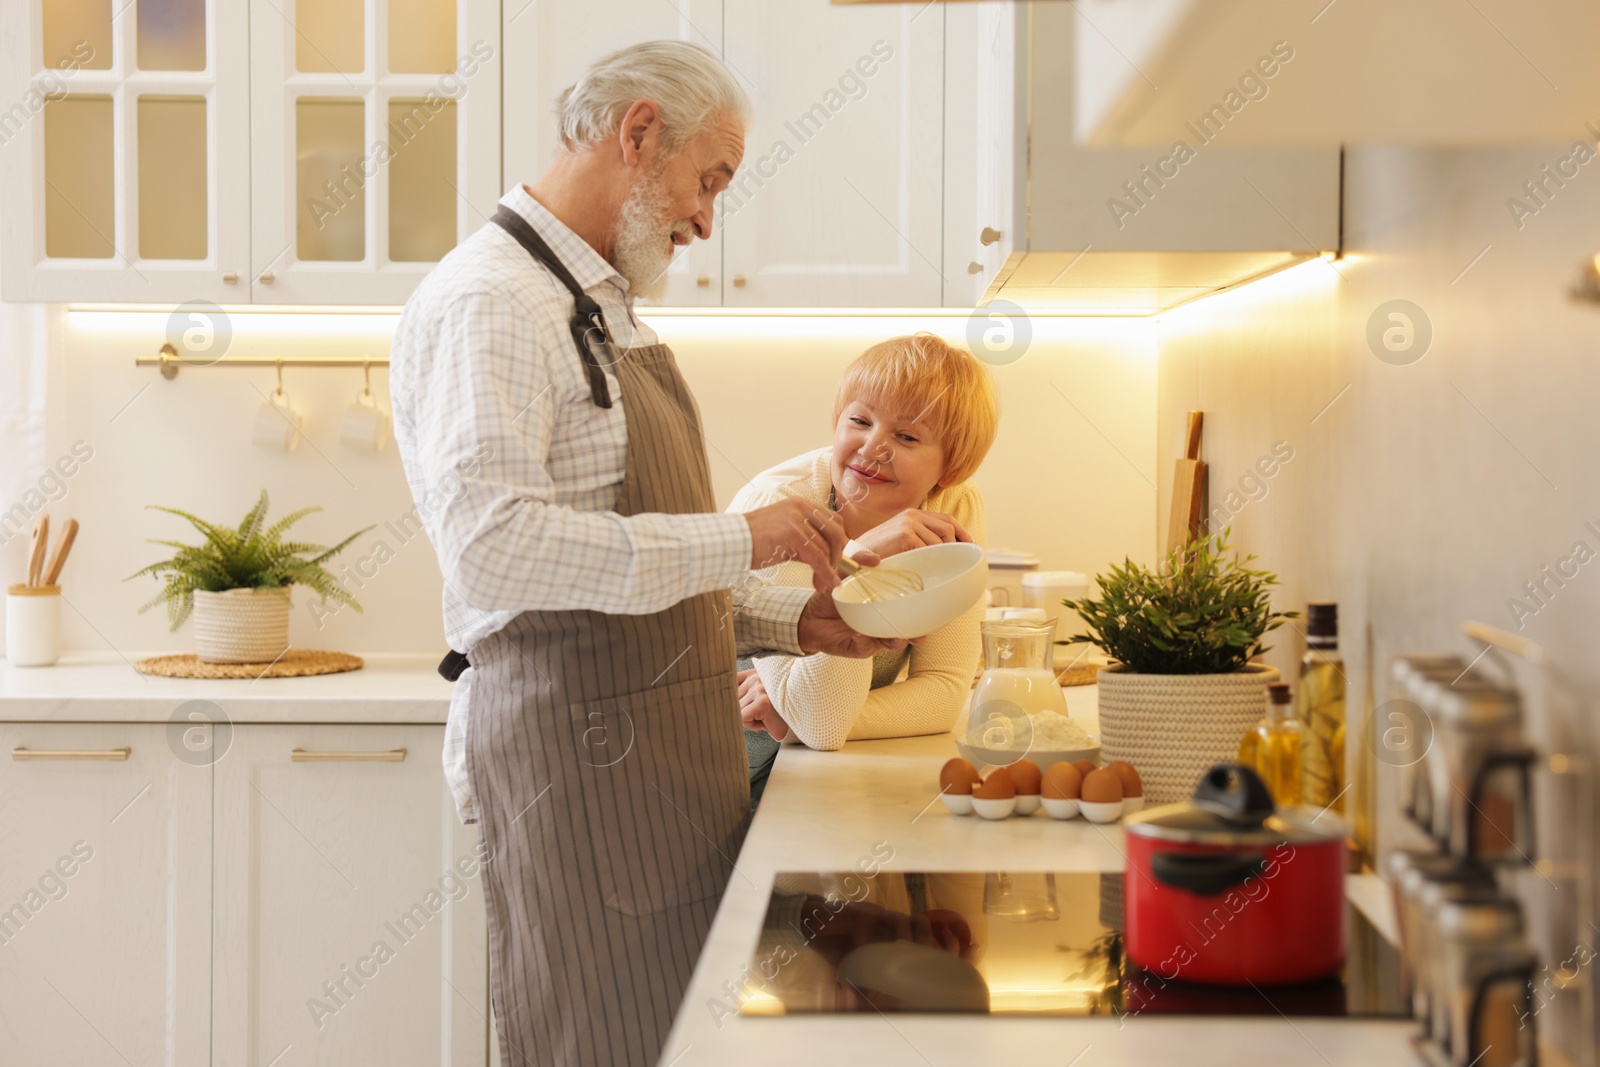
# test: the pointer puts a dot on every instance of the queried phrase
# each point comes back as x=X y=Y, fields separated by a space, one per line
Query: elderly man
x=557 y=458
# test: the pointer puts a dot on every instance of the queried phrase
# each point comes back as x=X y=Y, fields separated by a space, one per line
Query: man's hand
x=795 y=529
x=822 y=630
x=912 y=528
x=755 y=707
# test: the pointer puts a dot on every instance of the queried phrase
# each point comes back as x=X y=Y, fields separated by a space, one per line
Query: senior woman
x=913 y=419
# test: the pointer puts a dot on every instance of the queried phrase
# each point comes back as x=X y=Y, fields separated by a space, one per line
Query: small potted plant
x=1182 y=691
x=236 y=582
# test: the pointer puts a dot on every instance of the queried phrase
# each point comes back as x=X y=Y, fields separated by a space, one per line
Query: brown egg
x=1102 y=787
x=998 y=786
x=1025 y=773
x=1085 y=766
x=958 y=776
x=1131 y=785
x=1063 y=782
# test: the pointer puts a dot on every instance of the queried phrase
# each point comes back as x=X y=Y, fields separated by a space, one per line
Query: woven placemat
x=1087 y=674
x=294 y=663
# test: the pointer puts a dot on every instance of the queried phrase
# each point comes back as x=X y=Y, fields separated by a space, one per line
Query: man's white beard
x=641 y=249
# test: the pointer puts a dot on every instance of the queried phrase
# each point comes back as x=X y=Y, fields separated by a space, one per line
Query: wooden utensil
x=58 y=559
x=1188 y=489
x=36 y=548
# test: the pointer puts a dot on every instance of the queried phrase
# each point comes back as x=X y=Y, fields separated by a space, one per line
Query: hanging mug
x=365 y=426
x=278 y=424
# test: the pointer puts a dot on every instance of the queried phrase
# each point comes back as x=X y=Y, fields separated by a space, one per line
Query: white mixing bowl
x=954 y=577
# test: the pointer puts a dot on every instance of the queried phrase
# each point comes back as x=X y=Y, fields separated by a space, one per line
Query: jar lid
x=1479 y=917
x=1486 y=708
x=1232 y=806
x=1404 y=667
x=1038 y=578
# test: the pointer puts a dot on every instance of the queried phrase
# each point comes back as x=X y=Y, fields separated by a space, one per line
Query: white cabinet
x=549 y=44
x=311 y=890
x=349 y=919
x=375 y=130
x=839 y=201
x=985 y=125
x=105 y=897
x=277 y=151
x=124 y=157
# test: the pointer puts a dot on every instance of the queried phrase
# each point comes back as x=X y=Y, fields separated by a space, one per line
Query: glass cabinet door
x=125 y=158
x=551 y=43
x=376 y=127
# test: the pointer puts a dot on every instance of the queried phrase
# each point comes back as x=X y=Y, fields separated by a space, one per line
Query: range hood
x=1129 y=283
x=1114 y=230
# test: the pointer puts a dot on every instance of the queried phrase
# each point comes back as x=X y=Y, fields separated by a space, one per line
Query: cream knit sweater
x=828 y=700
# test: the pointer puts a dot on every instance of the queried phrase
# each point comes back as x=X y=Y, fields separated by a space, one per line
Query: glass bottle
x=1320 y=707
x=1273 y=746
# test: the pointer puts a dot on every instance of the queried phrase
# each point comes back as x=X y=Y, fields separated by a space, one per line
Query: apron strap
x=586 y=316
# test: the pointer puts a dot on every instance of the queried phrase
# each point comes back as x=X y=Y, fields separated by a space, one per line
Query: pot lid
x=1232 y=806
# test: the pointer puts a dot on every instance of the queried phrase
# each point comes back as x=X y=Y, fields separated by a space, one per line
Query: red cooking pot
x=1226 y=890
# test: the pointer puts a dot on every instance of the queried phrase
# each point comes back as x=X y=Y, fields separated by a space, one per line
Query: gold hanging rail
x=170 y=362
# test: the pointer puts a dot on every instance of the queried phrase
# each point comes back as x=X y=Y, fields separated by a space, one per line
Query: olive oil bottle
x=1273 y=747
x=1320 y=707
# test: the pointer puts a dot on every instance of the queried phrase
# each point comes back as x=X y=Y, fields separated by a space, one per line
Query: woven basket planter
x=1175 y=727
x=241 y=625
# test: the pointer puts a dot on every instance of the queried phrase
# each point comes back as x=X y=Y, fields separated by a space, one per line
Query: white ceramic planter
x=1174 y=727
x=241 y=625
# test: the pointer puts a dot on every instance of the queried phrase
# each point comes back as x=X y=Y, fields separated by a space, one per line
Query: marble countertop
x=104 y=687
x=827 y=810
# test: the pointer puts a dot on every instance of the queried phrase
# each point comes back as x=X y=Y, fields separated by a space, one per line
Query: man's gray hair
x=688 y=83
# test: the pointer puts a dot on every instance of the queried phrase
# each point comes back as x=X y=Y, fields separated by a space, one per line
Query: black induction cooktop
x=1008 y=943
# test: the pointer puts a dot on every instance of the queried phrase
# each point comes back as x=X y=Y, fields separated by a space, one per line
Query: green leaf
x=251 y=556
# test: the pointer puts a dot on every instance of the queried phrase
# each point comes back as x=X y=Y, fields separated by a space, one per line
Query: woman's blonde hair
x=950 y=389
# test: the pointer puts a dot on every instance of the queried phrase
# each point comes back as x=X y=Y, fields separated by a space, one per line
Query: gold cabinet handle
x=267 y=277
x=230 y=278
x=117 y=754
x=989 y=236
x=394 y=755
x=738 y=281
x=974 y=267
x=703 y=280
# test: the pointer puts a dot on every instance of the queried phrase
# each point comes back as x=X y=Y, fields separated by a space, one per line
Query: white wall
x=1426 y=494
x=1054 y=484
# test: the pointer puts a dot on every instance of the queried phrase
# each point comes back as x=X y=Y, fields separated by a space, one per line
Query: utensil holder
x=33 y=625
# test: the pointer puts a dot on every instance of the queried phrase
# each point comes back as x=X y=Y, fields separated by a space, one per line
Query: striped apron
x=607 y=759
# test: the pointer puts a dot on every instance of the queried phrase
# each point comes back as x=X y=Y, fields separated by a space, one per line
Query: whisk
x=881 y=583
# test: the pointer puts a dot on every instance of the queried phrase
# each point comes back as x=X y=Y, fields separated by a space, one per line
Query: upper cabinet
x=1114 y=230
x=549 y=44
x=375 y=131
x=1423 y=71
x=839 y=198
x=124 y=155
x=839 y=201
x=901 y=155
x=303 y=151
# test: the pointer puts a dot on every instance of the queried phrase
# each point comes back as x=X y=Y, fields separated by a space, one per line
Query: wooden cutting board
x=1188 y=489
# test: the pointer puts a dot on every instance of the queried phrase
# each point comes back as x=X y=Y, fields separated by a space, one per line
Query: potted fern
x=236 y=583
x=1182 y=691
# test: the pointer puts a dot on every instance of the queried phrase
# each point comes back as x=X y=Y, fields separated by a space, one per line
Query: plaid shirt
x=514 y=469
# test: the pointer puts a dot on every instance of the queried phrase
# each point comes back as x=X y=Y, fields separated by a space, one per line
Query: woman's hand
x=755 y=708
x=912 y=528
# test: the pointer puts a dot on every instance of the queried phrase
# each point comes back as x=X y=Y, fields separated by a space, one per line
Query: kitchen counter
x=104 y=687
x=826 y=811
